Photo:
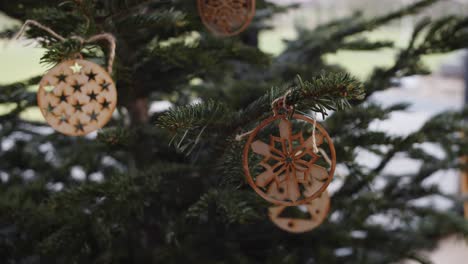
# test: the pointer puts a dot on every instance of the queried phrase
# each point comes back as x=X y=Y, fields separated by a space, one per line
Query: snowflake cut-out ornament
x=226 y=17
x=290 y=171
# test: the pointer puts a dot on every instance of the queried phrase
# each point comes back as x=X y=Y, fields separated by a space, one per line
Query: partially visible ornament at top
x=77 y=97
x=226 y=17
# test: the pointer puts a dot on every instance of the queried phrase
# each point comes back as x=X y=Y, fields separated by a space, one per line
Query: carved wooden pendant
x=226 y=17
x=317 y=211
x=464 y=187
x=77 y=97
x=280 y=163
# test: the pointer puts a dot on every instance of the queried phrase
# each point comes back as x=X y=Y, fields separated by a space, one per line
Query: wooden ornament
x=317 y=210
x=464 y=186
x=77 y=97
x=286 y=170
x=226 y=17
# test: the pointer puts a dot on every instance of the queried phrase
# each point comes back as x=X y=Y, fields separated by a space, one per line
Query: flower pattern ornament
x=288 y=173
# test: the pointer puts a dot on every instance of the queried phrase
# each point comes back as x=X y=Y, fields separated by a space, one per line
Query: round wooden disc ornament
x=285 y=162
x=316 y=210
x=226 y=17
x=77 y=97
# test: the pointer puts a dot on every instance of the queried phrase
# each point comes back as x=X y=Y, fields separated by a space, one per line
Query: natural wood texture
x=464 y=186
x=318 y=210
x=226 y=17
x=287 y=174
x=77 y=97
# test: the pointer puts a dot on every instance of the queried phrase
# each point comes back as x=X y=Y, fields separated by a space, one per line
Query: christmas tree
x=169 y=186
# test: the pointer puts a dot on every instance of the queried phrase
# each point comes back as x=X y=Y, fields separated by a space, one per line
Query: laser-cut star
x=93 y=116
x=92 y=96
x=105 y=86
x=49 y=89
x=63 y=118
x=76 y=87
x=105 y=104
x=79 y=126
x=49 y=109
x=63 y=97
x=78 y=107
x=91 y=76
x=76 y=68
x=61 y=78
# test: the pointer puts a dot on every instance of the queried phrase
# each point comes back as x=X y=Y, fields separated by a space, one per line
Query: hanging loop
x=100 y=37
x=280 y=105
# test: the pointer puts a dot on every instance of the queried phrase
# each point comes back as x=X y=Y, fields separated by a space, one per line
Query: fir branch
x=159 y=24
x=364 y=44
x=328 y=38
x=227 y=206
x=443 y=35
x=194 y=116
x=325 y=92
x=190 y=124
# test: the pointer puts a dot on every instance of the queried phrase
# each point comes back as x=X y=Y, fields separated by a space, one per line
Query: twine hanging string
x=274 y=106
x=315 y=148
x=280 y=102
x=314 y=140
x=104 y=36
x=239 y=137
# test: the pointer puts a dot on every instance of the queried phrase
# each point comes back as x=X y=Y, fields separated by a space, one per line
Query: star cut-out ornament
x=49 y=89
x=105 y=86
x=92 y=96
x=49 y=109
x=105 y=104
x=77 y=99
x=76 y=68
x=287 y=173
x=93 y=116
x=77 y=87
x=61 y=78
x=91 y=76
x=79 y=126
x=63 y=98
x=78 y=107
x=63 y=118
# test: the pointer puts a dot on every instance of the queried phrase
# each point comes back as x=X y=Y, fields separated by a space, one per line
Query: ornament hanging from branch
x=77 y=96
x=315 y=211
x=286 y=158
x=226 y=17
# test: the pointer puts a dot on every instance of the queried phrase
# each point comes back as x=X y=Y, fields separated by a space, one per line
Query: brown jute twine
x=281 y=102
x=104 y=36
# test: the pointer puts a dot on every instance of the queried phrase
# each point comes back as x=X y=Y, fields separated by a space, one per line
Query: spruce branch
x=364 y=44
x=327 y=39
x=323 y=93
x=328 y=91
x=194 y=116
x=443 y=35
x=226 y=206
x=160 y=24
